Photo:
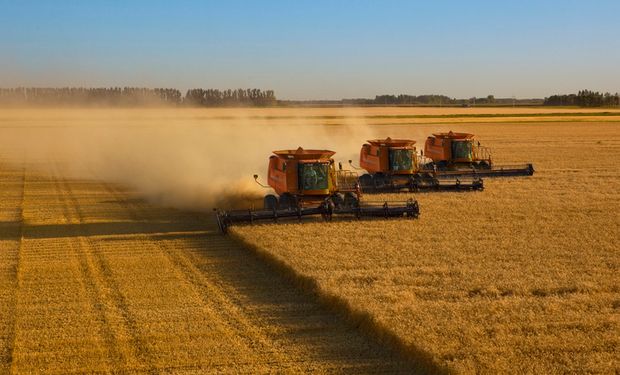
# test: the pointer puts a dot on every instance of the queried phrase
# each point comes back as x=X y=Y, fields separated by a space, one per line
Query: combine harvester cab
x=393 y=165
x=306 y=182
x=459 y=155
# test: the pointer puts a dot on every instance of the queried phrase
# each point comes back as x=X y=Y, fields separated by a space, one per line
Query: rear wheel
x=270 y=202
x=350 y=200
x=365 y=181
x=379 y=180
x=442 y=165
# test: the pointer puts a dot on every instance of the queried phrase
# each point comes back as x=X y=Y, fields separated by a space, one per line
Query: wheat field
x=111 y=262
x=95 y=280
x=522 y=277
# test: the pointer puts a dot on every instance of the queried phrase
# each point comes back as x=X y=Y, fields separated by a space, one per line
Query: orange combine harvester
x=460 y=154
x=307 y=182
x=394 y=165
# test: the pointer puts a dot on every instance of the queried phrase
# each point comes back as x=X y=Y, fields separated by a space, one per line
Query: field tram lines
x=88 y=280
x=10 y=269
x=218 y=297
x=280 y=339
x=105 y=294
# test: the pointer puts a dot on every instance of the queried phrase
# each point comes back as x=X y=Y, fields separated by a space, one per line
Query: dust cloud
x=180 y=158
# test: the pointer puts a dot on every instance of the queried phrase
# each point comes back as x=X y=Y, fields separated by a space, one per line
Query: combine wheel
x=366 y=180
x=484 y=165
x=338 y=200
x=379 y=181
x=413 y=183
x=270 y=202
x=287 y=201
x=442 y=165
x=327 y=209
x=413 y=209
x=350 y=200
x=430 y=166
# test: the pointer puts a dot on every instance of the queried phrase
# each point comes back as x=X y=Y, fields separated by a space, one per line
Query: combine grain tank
x=393 y=165
x=306 y=182
x=459 y=155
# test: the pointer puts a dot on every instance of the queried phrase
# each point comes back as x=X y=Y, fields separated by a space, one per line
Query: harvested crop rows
x=521 y=277
x=94 y=276
x=94 y=279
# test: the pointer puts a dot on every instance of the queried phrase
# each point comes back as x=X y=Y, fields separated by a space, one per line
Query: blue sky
x=315 y=49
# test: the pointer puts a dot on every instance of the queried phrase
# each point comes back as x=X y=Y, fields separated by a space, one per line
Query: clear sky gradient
x=316 y=49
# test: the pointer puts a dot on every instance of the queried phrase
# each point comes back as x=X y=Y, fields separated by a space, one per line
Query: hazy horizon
x=315 y=50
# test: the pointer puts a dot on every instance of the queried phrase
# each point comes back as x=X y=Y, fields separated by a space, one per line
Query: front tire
x=338 y=200
x=270 y=202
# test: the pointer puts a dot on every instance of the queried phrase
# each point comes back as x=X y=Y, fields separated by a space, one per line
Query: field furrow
x=108 y=282
x=124 y=341
x=262 y=335
x=11 y=215
x=99 y=273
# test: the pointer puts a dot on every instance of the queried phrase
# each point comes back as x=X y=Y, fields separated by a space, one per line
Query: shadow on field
x=268 y=295
x=11 y=229
x=306 y=320
x=294 y=320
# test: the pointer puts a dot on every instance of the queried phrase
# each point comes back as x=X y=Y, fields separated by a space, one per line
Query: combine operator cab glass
x=462 y=150
x=400 y=160
x=313 y=176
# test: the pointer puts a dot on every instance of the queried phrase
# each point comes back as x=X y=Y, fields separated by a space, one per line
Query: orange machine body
x=454 y=148
x=389 y=156
x=304 y=173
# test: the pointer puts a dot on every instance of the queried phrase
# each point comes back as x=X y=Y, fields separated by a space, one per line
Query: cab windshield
x=462 y=150
x=313 y=176
x=400 y=160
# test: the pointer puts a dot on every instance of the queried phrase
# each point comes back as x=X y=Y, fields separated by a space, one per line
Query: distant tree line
x=134 y=97
x=412 y=99
x=439 y=100
x=584 y=98
x=112 y=96
x=220 y=98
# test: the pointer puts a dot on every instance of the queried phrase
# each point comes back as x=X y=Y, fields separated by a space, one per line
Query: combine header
x=394 y=165
x=460 y=155
x=306 y=182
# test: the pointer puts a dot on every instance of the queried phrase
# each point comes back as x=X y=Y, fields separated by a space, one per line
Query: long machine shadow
x=305 y=320
x=267 y=288
x=276 y=279
x=12 y=229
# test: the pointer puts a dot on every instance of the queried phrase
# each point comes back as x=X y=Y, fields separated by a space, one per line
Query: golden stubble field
x=94 y=279
x=523 y=277
x=110 y=261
